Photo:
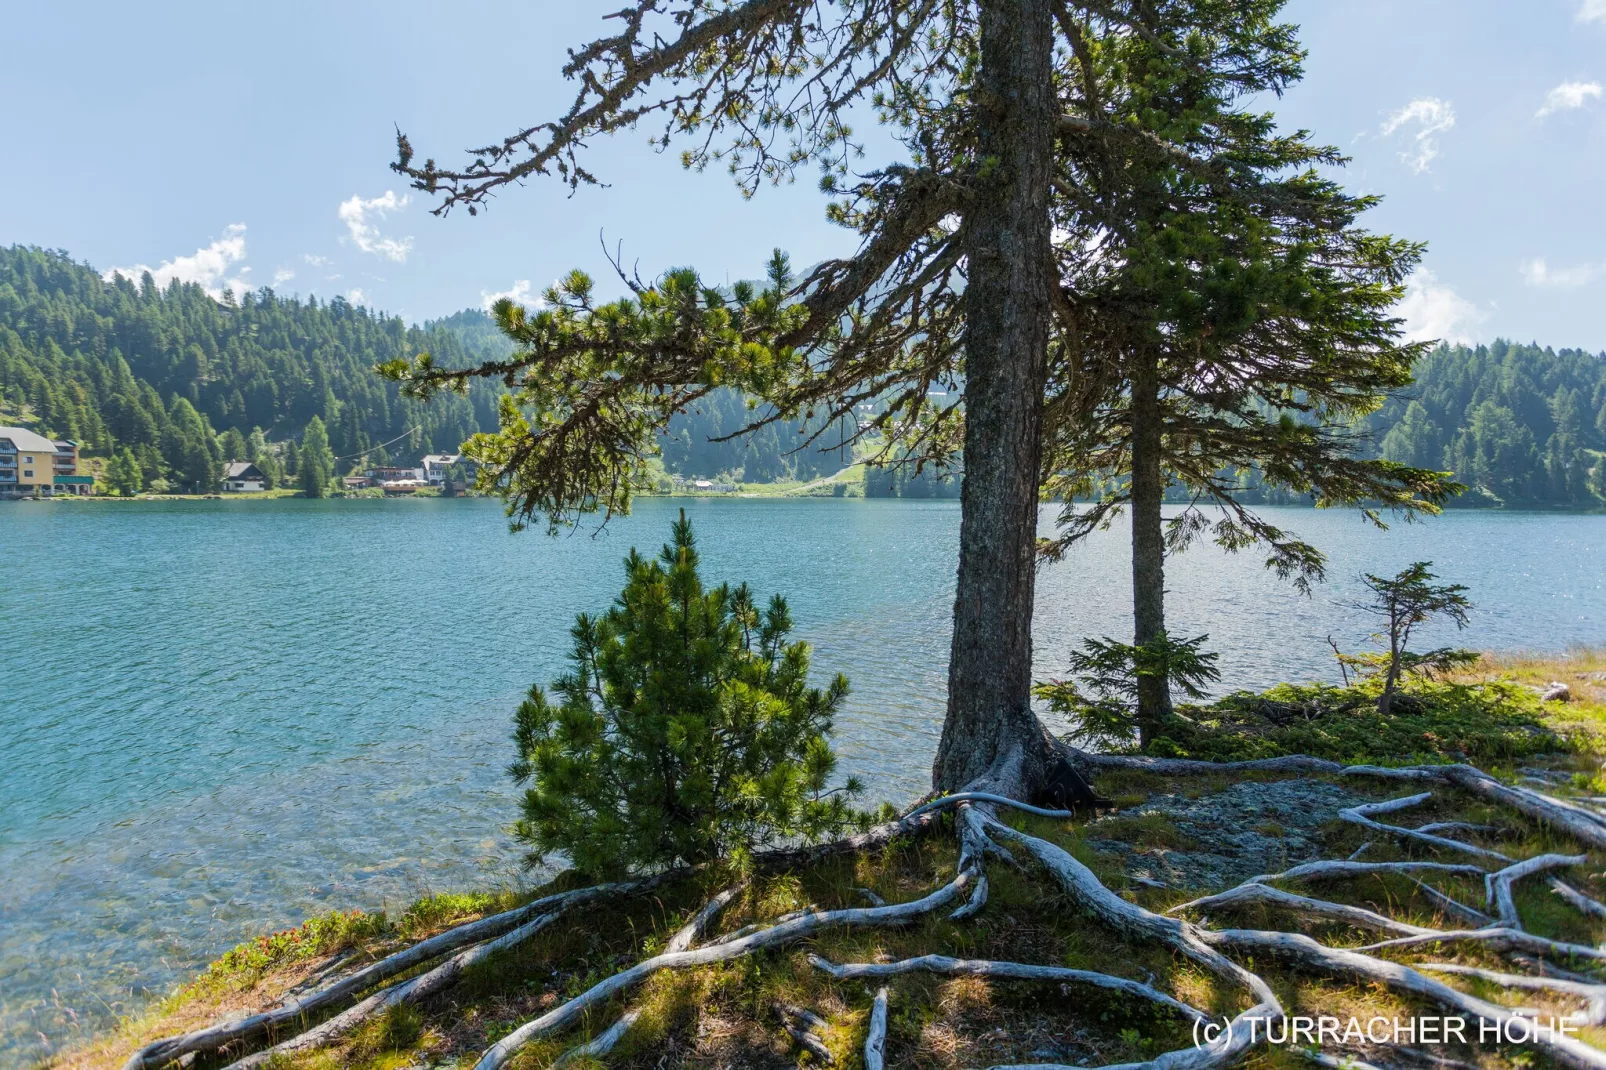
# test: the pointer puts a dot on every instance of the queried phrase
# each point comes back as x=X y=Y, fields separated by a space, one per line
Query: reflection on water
x=231 y=715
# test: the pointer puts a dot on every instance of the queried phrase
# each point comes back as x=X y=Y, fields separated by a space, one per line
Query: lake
x=221 y=717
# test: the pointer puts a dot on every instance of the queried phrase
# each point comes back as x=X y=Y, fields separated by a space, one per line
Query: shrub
x=684 y=730
x=1111 y=670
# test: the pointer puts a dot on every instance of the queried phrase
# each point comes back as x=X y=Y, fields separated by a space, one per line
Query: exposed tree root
x=1452 y=905
x=1252 y=893
x=1502 y=939
x=875 y=1041
x=1011 y=971
x=212 y=1038
x=1593 y=907
x=1498 y=885
x=1593 y=994
x=1363 y=815
x=499 y=1053
x=412 y=990
x=1331 y=870
x=1304 y=953
x=800 y=1024
x=683 y=940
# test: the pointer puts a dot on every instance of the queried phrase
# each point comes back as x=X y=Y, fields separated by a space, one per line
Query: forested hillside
x=181 y=381
x=1520 y=425
x=162 y=371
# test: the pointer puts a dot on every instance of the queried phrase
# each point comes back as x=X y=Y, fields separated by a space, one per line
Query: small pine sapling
x=685 y=730
x=1111 y=671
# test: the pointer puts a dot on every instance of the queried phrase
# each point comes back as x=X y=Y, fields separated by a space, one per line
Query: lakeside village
x=33 y=466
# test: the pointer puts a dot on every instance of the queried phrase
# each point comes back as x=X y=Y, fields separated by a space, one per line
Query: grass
x=724 y=1015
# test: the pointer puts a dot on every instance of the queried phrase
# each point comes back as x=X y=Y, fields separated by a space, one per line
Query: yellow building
x=34 y=466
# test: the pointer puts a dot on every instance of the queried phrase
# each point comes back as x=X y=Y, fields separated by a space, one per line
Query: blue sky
x=240 y=143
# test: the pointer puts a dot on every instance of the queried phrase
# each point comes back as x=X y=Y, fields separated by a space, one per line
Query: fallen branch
x=499 y=1053
x=1011 y=971
x=1248 y=894
x=1593 y=994
x=1497 y=886
x=800 y=1023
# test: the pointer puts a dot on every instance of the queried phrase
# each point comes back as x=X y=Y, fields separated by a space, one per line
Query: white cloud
x=282 y=276
x=1536 y=272
x=520 y=294
x=208 y=267
x=1430 y=116
x=1592 y=11
x=1569 y=95
x=360 y=215
x=315 y=260
x=1431 y=310
x=356 y=296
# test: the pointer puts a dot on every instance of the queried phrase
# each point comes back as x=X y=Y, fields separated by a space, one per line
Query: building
x=34 y=466
x=381 y=476
x=437 y=465
x=243 y=476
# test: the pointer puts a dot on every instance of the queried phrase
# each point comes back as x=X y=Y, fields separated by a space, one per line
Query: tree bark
x=1148 y=544
x=989 y=715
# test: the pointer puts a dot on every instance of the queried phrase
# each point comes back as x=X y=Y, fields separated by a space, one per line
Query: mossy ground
x=723 y=1016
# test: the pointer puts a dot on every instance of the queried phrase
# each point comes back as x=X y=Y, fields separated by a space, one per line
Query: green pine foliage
x=1519 y=425
x=684 y=731
x=316 y=464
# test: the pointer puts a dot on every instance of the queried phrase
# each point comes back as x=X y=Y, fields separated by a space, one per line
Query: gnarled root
x=1593 y=994
x=1253 y=893
x=1498 y=885
x=499 y=1053
x=215 y=1037
x=875 y=1041
x=1011 y=971
x=1362 y=815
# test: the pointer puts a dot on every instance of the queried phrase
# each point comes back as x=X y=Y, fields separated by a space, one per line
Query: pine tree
x=123 y=476
x=684 y=732
x=953 y=285
x=316 y=464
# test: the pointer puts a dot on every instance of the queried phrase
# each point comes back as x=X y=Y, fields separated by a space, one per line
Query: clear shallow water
x=217 y=718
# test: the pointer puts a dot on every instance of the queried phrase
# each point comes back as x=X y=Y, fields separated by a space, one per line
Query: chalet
x=34 y=466
x=243 y=476
x=437 y=465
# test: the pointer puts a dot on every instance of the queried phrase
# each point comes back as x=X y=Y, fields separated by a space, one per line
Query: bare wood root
x=978 y=899
x=212 y=1038
x=1593 y=907
x=684 y=938
x=1363 y=815
x=875 y=1041
x=410 y=991
x=800 y=1023
x=1593 y=994
x=1305 y=953
x=1452 y=905
x=1497 y=886
x=1335 y=870
x=503 y=1050
x=1012 y=971
x=1501 y=939
x=1141 y=925
x=1251 y=894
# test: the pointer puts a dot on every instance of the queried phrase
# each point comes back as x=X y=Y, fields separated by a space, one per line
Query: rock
x=1242 y=831
x=1556 y=691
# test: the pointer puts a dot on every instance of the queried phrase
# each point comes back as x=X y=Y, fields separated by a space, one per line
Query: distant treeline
x=162 y=372
x=1519 y=425
x=167 y=372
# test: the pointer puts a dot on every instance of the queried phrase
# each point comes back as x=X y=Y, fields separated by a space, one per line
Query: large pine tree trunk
x=1148 y=542
x=990 y=721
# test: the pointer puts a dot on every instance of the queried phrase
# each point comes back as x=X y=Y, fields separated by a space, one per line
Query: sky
x=247 y=145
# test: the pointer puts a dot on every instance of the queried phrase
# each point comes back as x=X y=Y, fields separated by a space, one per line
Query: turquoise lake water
x=217 y=718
